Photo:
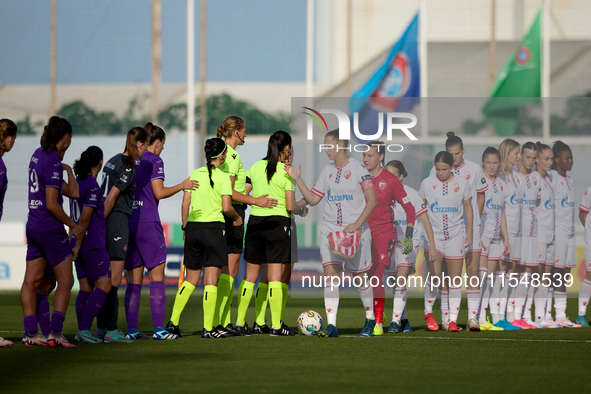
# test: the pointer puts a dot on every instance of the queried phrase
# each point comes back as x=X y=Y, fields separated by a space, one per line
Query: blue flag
x=395 y=87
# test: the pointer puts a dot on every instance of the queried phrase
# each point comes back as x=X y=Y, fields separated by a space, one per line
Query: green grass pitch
x=536 y=361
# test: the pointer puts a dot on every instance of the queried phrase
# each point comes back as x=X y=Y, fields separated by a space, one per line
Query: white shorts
x=403 y=260
x=360 y=263
x=529 y=252
x=452 y=249
x=547 y=253
x=492 y=249
x=566 y=253
x=475 y=247
x=515 y=244
x=587 y=258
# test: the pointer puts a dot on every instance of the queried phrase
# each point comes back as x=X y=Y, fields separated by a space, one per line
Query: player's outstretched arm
x=296 y=175
x=161 y=192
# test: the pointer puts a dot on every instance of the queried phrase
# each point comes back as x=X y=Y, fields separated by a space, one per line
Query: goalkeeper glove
x=406 y=242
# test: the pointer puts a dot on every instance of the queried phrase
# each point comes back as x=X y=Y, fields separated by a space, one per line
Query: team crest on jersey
x=383 y=185
x=467 y=175
x=329 y=176
x=456 y=187
x=535 y=182
x=557 y=259
x=501 y=187
x=434 y=187
x=540 y=254
x=347 y=174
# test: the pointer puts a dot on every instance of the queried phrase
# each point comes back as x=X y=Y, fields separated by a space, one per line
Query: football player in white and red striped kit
x=546 y=244
x=510 y=155
x=403 y=265
x=531 y=183
x=585 y=290
x=474 y=176
x=350 y=200
x=493 y=224
x=447 y=197
x=564 y=193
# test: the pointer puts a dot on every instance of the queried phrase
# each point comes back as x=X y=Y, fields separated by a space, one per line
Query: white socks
x=400 y=296
x=455 y=299
x=584 y=296
x=430 y=297
x=331 y=304
x=560 y=304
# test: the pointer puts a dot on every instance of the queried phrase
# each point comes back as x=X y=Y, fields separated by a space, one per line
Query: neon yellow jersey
x=233 y=166
x=280 y=182
x=206 y=202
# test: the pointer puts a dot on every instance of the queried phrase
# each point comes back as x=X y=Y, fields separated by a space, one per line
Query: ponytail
x=277 y=142
x=135 y=135
x=156 y=133
x=228 y=126
x=54 y=131
x=399 y=166
x=213 y=148
x=90 y=158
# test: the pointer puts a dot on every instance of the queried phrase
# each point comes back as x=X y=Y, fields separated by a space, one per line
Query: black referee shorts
x=235 y=235
x=268 y=240
x=205 y=245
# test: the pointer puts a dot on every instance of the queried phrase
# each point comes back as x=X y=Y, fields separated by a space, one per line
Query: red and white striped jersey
x=586 y=207
x=445 y=204
x=344 y=189
x=492 y=213
x=564 y=195
x=513 y=204
x=531 y=185
x=546 y=212
x=474 y=175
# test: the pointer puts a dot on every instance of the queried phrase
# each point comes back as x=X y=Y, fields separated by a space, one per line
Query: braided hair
x=213 y=148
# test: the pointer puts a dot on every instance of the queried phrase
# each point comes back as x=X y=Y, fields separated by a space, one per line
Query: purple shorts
x=146 y=246
x=54 y=245
x=93 y=264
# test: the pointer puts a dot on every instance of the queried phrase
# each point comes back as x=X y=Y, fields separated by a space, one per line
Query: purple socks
x=132 y=304
x=57 y=322
x=157 y=303
x=43 y=313
x=80 y=306
x=93 y=306
x=30 y=323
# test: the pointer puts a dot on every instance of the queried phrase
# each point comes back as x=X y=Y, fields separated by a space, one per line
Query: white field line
x=477 y=339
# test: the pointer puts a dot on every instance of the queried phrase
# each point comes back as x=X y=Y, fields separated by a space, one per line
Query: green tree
x=26 y=127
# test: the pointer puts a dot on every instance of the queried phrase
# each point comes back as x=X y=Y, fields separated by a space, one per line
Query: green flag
x=518 y=84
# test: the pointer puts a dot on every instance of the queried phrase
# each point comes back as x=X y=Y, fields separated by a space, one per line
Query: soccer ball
x=309 y=323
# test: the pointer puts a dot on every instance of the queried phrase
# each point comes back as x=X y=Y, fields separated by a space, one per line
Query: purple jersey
x=3 y=184
x=145 y=205
x=45 y=170
x=90 y=196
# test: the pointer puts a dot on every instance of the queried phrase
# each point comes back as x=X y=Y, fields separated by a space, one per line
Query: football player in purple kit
x=7 y=137
x=47 y=240
x=147 y=247
x=89 y=252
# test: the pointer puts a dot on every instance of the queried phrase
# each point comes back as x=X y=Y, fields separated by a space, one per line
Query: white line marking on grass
x=477 y=339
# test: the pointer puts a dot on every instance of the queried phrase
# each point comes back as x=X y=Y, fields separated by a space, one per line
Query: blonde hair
x=228 y=126
x=506 y=147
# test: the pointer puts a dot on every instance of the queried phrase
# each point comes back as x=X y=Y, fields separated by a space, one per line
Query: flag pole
x=190 y=86
x=52 y=56
x=202 y=76
x=156 y=55
x=349 y=85
x=310 y=152
x=423 y=68
x=493 y=44
x=546 y=70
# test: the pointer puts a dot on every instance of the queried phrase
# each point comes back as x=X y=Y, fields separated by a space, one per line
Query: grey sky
x=109 y=41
